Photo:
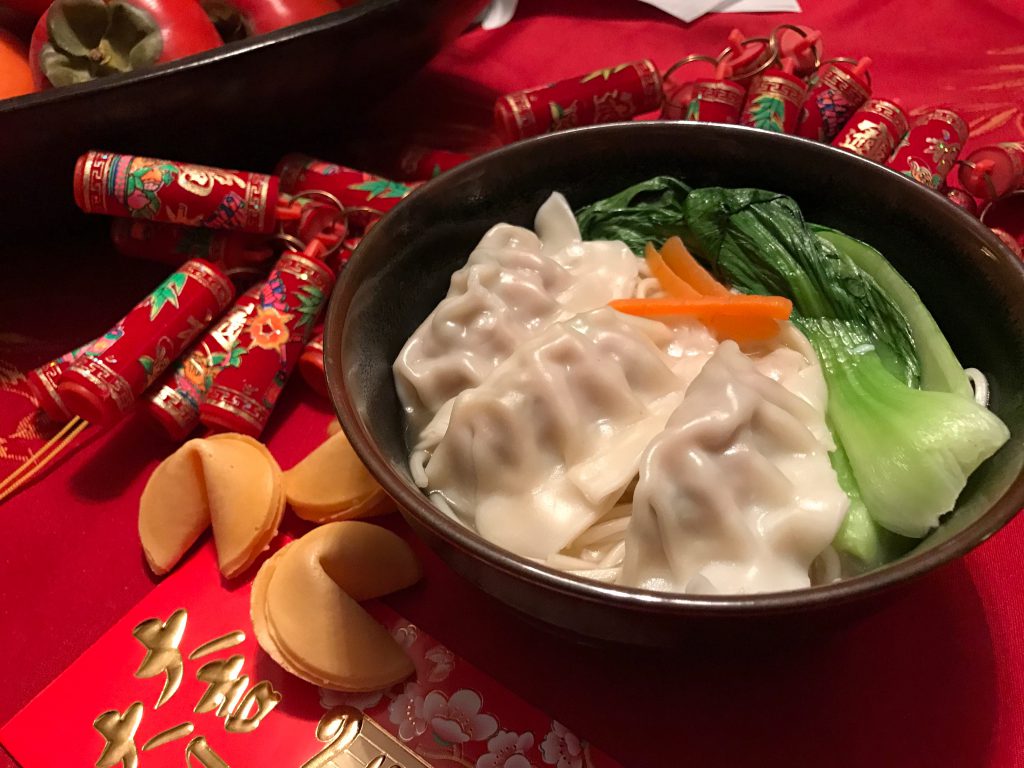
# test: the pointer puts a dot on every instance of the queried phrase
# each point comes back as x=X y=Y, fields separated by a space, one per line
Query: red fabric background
x=934 y=677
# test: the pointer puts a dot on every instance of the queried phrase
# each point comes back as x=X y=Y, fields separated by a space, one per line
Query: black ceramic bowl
x=971 y=283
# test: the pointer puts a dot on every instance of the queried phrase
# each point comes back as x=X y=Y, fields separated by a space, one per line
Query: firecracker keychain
x=930 y=148
x=676 y=94
x=245 y=391
x=180 y=193
x=874 y=130
x=993 y=171
x=352 y=188
x=962 y=199
x=604 y=96
x=311 y=363
x=840 y=88
x=775 y=99
x=717 y=99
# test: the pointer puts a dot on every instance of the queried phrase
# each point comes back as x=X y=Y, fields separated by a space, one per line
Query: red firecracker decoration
x=874 y=130
x=104 y=382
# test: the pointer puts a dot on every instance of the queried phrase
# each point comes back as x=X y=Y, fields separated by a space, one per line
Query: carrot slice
x=730 y=305
x=742 y=328
x=681 y=261
x=671 y=283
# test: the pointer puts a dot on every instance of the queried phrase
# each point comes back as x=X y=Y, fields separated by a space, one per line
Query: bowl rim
x=411 y=501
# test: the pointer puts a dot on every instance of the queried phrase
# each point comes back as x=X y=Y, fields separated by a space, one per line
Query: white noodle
x=609 y=529
x=979 y=384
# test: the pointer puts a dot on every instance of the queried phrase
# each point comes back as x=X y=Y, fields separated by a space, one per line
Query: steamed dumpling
x=514 y=286
x=737 y=495
x=545 y=446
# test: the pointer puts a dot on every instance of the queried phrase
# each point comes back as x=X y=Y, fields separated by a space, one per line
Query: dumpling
x=547 y=444
x=737 y=495
x=514 y=286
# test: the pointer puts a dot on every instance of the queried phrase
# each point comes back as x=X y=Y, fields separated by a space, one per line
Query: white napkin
x=500 y=12
x=689 y=10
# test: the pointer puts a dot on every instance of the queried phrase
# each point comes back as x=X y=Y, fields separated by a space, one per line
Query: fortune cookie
x=304 y=610
x=331 y=483
x=229 y=480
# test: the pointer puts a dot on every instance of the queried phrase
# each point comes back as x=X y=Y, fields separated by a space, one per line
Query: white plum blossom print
x=442 y=660
x=406 y=711
x=458 y=719
x=561 y=748
x=405 y=635
x=507 y=750
x=361 y=701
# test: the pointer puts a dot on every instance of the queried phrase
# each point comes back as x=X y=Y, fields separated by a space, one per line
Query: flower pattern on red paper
x=507 y=749
x=458 y=719
x=561 y=748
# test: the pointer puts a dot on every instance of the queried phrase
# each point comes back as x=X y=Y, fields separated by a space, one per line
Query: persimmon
x=15 y=72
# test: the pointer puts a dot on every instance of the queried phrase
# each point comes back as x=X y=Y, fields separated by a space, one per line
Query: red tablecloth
x=933 y=678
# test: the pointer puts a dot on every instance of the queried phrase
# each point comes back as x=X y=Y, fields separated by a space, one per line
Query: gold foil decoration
x=222 y=643
x=225 y=686
x=171 y=734
x=161 y=639
x=203 y=752
x=354 y=740
x=119 y=732
x=264 y=698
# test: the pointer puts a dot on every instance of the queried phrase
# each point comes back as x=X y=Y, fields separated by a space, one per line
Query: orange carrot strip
x=742 y=328
x=671 y=283
x=681 y=261
x=730 y=305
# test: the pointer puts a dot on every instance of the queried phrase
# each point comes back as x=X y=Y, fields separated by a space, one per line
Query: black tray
x=242 y=105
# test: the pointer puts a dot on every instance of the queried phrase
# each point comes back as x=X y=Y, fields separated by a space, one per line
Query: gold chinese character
x=356 y=741
x=166 y=737
x=161 y=639
x=222 y=643
x=225 y=686
x=264 y=697
x=224 y=693
x=119 y=732
x=203 y=752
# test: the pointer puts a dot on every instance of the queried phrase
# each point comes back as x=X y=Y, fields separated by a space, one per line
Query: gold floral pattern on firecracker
x=1001 y=76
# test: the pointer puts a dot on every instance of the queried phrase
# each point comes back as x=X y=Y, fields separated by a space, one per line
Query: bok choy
x=907 y=430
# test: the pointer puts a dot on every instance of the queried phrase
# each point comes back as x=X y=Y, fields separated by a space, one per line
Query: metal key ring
x=693 y=57
x=772 y=49
x=290 y=240
x=792 y=27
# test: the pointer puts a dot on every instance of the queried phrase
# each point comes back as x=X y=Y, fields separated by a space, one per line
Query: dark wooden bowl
x=243 y=105
x=971 y=283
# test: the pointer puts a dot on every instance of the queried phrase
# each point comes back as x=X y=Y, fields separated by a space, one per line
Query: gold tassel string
x=38 y=460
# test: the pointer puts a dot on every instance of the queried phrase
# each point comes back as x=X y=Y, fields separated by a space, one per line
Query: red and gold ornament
x=174 y=403
x=42 y=383
x=245 y=391
x=604 y=96
x=352 y=188
x=747 y=56
x=931 y=147
x=717 y=100
x=177 y=193
x=961 y=199
x=775 y=99
x=993 y=171
x=874 y=130
x=841 y=88
x=105 y=381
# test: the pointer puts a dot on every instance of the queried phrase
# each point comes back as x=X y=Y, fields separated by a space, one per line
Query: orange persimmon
x=15 y=73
